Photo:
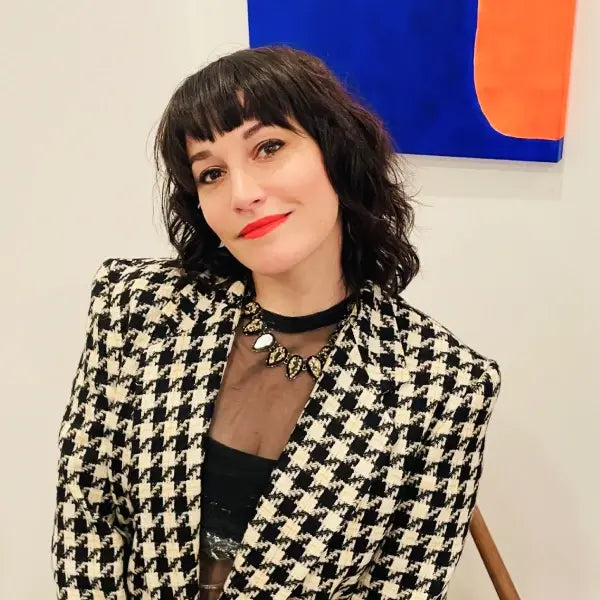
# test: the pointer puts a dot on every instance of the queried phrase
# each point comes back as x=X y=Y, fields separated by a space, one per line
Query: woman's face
x=258 y=171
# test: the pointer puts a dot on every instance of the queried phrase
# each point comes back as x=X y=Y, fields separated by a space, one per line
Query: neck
x=307 y=289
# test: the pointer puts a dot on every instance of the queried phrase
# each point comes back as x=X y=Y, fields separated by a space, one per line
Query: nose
x=245 y=189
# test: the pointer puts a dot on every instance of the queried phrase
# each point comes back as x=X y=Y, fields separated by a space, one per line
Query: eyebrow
x=206 y=153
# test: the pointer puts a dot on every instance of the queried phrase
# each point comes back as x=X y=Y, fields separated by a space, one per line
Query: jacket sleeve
x=91 y=526
x=417 y=558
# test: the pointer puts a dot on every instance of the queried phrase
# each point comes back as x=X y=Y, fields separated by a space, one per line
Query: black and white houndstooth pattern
x=371 y=497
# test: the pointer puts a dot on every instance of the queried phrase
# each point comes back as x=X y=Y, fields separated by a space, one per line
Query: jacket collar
x=375 y=309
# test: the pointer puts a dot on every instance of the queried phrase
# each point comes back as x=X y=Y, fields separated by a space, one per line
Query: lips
x=265 y=221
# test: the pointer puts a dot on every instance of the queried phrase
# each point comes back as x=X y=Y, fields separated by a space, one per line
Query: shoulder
x=140 y=272
x=433 y=348
x=149 y=275
x=136 y=290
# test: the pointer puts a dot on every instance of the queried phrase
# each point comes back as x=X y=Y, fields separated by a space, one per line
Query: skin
x=252 y=172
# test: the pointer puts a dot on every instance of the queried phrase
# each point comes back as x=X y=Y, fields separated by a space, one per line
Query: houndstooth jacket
x=370 y=498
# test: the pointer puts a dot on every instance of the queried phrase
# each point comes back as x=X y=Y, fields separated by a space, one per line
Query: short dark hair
x=278 y=83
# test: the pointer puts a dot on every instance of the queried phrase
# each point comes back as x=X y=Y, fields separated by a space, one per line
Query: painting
x=466 y=78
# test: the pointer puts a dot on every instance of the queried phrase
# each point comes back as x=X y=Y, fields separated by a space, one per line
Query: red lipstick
x=262 y=226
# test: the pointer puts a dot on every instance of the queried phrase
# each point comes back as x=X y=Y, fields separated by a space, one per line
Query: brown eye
x=271 y=146
x=204 y=177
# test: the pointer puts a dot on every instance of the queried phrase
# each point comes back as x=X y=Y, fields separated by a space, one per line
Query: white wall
x=508 y=256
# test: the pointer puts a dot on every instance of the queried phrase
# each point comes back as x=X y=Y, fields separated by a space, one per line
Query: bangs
x=225 y=94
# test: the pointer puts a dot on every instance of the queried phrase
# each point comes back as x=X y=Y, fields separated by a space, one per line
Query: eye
x=204 y=176
x=270 y=146
x=211 y=175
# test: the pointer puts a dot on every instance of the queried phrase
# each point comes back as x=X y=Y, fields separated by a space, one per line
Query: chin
x=274 y=263
x=272 y=268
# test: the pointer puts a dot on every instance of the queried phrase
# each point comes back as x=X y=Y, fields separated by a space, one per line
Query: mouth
x=263 y=226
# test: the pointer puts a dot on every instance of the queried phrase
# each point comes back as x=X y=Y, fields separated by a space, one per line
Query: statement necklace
x=279 y=354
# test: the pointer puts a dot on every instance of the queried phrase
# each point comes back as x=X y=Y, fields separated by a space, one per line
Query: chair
x=491 y=558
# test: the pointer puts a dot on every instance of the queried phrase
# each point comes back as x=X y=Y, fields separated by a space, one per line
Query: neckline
x=301 y=323
x=234 y=451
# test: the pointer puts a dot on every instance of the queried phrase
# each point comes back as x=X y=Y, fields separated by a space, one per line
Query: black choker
x=299 y=324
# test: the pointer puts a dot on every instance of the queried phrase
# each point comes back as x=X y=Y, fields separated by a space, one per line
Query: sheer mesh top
x=255 y=413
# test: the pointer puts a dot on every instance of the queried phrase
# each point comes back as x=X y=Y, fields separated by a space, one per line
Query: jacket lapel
x=303 y=535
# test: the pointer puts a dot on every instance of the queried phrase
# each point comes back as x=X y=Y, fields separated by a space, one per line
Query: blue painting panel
x=409 y=60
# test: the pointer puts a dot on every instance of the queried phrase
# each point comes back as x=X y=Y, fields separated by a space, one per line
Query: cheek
x=212 y=216
x=307 y=180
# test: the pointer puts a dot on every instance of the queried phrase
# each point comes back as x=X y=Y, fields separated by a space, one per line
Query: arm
x=418 y=557
x=90 y=532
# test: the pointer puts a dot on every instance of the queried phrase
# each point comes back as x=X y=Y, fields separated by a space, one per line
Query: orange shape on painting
x=522 y=65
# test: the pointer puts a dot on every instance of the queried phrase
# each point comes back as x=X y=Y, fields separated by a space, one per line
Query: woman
x=265 y=416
